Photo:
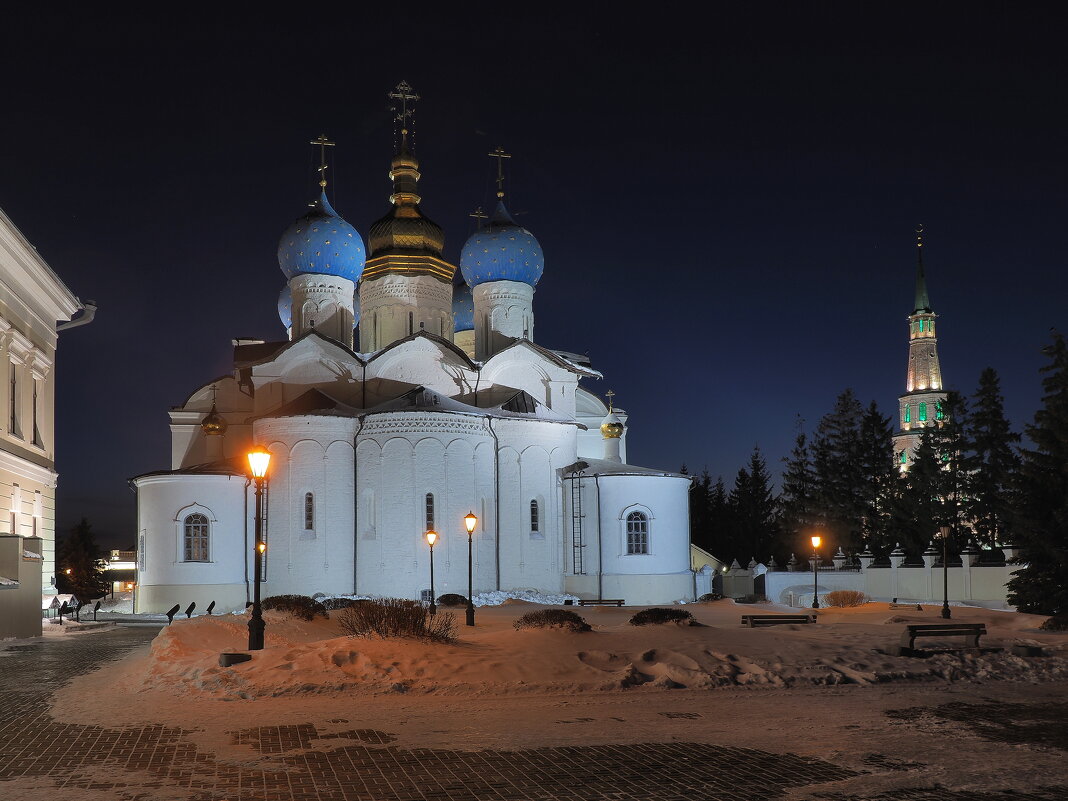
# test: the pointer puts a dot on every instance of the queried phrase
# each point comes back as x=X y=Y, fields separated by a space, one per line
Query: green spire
x=923 y=303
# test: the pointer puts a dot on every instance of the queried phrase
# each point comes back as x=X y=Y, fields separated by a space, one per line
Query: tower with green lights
x=921 y=405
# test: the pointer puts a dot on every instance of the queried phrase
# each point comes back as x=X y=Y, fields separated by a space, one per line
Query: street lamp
x=944 y=531
x=431 y=538
x=816 y=540
x=470 y=521
x=259 y=459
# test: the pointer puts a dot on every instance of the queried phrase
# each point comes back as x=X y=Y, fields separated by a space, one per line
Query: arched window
x=939 y=414
x=429 y=511
x=535 y=518
x=195 y=540
x=923 y=412
x=637 y=533
x=904 y=457
x=908 y=413
x=309 y=511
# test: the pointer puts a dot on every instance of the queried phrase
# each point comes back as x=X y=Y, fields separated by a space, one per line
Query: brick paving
x=365 y=765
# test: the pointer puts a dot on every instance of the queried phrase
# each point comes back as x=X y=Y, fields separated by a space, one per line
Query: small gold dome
x=611 y=428
x=213 y=423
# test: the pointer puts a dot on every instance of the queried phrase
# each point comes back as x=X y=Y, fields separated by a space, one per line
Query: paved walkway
x=61 y=760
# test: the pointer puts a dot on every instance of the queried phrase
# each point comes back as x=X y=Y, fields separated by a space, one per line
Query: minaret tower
x=407 y=285
x=502 y=263
x=921 y=405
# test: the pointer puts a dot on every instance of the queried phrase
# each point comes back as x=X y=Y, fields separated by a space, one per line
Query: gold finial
x=610 y=394
x=500 y=155
x=479 y=216
x=403 y=93
x=323 y=144
x=919 y=235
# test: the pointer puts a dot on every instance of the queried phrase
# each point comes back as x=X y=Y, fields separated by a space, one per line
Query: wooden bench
x=917 y=607
x=600 y=602
x=775 y=620
x=970 y=631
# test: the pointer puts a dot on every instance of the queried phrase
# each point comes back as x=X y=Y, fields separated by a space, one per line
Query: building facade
x=401 y=400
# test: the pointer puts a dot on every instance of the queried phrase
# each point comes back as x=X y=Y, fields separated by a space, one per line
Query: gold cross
x=323 y=144
x=403 y=93
x=610 y=394
x=500 y=155
x=479 y=216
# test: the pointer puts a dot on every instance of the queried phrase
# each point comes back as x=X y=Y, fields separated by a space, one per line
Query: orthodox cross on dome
x=919 y=236
x=610 y=394
x=500 y=155
x=403 y=113
x=323 y=144
x=479 y=216
x=214 y=392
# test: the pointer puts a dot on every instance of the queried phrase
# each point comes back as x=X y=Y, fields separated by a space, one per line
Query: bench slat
x=970 y=631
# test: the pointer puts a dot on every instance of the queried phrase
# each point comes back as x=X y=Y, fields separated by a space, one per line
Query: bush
x=1055 y=623
x=751 y=599
x=332 y=604
x=660 y=614
x=396 y=617
x=552 y=618
x=297 y=605
x=709 y=596
x=846 y=598
x=452 y=599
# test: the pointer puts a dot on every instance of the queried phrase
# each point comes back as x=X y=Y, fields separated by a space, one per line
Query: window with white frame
x=535 y=519
x=309 y=511
x=429 y=511
x=637 y=533
x=195 y=538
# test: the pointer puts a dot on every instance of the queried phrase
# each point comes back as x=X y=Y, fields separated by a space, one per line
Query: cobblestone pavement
x=147 y=762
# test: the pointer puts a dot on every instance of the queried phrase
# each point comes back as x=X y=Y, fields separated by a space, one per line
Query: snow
x=31 y=555
x=6 y=582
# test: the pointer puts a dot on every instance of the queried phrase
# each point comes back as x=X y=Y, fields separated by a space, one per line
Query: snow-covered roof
x=31 y=555
x=6 y=582
x=604 y=467
x=551 y=355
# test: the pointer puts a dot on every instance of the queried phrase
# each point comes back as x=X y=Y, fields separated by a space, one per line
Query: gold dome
x=213 y=423
x=611 y=428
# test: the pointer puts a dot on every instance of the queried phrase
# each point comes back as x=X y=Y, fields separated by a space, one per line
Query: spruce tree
x=797 y=502
x=720 y=523
x=840 y=485
x=950 y=442
x=880 y=476
x=79 y=554
x=1041 y=585
x=753 y=507
x=916 y=509
x=988 y=504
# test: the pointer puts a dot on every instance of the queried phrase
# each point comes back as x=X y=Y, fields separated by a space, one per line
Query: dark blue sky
x=726 y=204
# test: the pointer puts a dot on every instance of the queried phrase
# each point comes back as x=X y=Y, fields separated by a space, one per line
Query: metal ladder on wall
x=576 y=527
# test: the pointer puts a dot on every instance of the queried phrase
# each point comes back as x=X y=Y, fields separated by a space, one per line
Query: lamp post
x=470 y=521
x=259 y=458
x=431 y=538
x=816 y=540
x=944 y=531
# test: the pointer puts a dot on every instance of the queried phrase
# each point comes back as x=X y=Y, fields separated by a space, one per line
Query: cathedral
x=400 y=400
x=921 y=405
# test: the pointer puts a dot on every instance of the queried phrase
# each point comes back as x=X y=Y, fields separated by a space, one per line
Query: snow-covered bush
x=660 y=614
x=709 y=596
x=332 y=604
x=396 y=617
x=297 y=605
x=452 y=599
x=552 y=618
x=846 y=598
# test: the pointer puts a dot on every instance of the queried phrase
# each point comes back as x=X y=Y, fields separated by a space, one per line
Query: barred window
x=637 y=533
x=429 y=511
x=196 y=538
x=535 y=517
x=923 y=412
x=309 y=511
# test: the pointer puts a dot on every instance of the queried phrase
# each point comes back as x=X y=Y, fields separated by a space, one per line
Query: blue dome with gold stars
x=463 y=308
x=321 y=243
x=285 y=306
x=502 y=251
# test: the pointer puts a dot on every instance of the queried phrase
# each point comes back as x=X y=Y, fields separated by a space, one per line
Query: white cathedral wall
x=395 y=306
x=525 y=369
x=163 y=577
x=421 y=362
x=661 y=576
x=310 y=454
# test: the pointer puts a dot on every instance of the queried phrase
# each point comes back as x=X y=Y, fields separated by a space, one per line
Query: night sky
x=726 y=204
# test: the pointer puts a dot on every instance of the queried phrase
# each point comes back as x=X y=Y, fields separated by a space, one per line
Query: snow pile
x=846 y=646
x=498 y=597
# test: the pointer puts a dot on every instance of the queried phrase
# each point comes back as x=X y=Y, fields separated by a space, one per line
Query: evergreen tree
x=700 y=523
x=81 y=556
x=720 y=523
x=840 y=485
x=950 y=442
x=797 y=502
x=880 y=476
x=916 y=506
x=988 y=499
x=1041 y=585
x=753 y=507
